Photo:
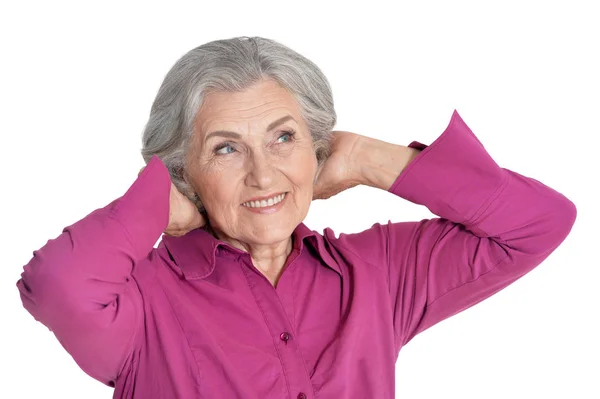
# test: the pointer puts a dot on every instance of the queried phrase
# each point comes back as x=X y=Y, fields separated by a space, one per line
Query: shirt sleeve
x=494 y=226
x=80 y=284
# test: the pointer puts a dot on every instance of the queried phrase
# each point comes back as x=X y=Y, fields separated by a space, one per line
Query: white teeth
x=264 y=203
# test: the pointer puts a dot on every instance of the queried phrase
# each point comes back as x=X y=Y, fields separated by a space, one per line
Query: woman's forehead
x=258 y=107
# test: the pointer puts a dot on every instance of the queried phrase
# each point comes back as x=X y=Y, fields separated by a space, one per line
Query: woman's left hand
x=340 y=171
x=357 y=159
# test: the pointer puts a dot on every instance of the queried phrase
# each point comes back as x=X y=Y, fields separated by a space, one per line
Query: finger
x=175 y=233
x=322 y=191
x=317 y=191
x=199 y=220
x=318 y=173
x=320 y=194
x=317 y=185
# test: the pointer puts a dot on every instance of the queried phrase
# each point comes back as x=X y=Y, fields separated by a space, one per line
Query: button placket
x=276 y=318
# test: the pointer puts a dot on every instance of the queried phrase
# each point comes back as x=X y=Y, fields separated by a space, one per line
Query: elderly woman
x=240 y=299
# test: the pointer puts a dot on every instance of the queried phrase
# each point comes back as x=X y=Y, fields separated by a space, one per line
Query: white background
x=77 y=81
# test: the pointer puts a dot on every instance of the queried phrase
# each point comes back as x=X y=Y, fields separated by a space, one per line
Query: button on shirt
x=193 y=318
x=285 y=336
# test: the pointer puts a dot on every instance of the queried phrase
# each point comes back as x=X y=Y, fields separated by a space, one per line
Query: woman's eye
x=285 y=137
x=224 y=149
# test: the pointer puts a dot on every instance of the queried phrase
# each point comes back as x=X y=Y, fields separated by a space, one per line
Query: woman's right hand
x=183 y=214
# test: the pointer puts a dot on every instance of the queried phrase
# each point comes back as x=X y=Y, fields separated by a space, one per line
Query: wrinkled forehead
x=253 y=110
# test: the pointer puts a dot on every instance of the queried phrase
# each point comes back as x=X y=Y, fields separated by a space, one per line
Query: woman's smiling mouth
x=266 y=205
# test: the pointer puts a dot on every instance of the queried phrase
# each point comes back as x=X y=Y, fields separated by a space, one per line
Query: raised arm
x=494 y=226
x=80 y=286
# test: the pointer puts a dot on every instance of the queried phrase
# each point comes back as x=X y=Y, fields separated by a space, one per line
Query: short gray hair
x=231 y=65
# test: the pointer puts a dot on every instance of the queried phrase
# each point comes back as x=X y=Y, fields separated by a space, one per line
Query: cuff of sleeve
x=417 y=145
x=454 y=177
x=144 y=209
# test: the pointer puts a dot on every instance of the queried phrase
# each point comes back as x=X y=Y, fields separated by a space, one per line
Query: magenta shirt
x=193 y=318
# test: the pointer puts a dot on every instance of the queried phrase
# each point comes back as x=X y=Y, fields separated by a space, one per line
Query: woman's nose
x=260 y=172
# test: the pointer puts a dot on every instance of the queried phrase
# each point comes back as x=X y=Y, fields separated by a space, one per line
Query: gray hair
x=231 y=65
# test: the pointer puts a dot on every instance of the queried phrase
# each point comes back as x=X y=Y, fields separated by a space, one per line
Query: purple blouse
x=193 y=318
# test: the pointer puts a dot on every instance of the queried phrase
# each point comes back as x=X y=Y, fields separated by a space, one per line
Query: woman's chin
x=252 y=229
x=272 y=235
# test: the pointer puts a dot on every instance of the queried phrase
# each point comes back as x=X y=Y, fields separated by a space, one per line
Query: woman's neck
x=269 y=259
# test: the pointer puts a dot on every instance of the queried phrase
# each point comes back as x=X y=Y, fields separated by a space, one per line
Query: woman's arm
x=494 y=226
x=79 y=284
x=356 y=160
x=381 y=163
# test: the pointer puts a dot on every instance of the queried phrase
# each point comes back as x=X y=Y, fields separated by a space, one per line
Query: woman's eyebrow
x=223 y=133
x=279 y=121
x=234 y=135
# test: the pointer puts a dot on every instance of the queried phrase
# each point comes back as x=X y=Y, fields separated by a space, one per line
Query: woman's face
x=253 y=164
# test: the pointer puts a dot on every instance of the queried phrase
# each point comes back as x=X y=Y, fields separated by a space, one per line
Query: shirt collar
x=197 y=252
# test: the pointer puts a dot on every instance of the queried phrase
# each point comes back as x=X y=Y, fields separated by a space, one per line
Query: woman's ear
x=187 y=189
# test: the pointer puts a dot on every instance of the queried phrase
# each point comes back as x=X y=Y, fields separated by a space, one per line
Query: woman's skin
x=252 y=162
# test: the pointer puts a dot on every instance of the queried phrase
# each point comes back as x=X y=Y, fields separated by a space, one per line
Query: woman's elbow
x=542 y=236
x=560 y=226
